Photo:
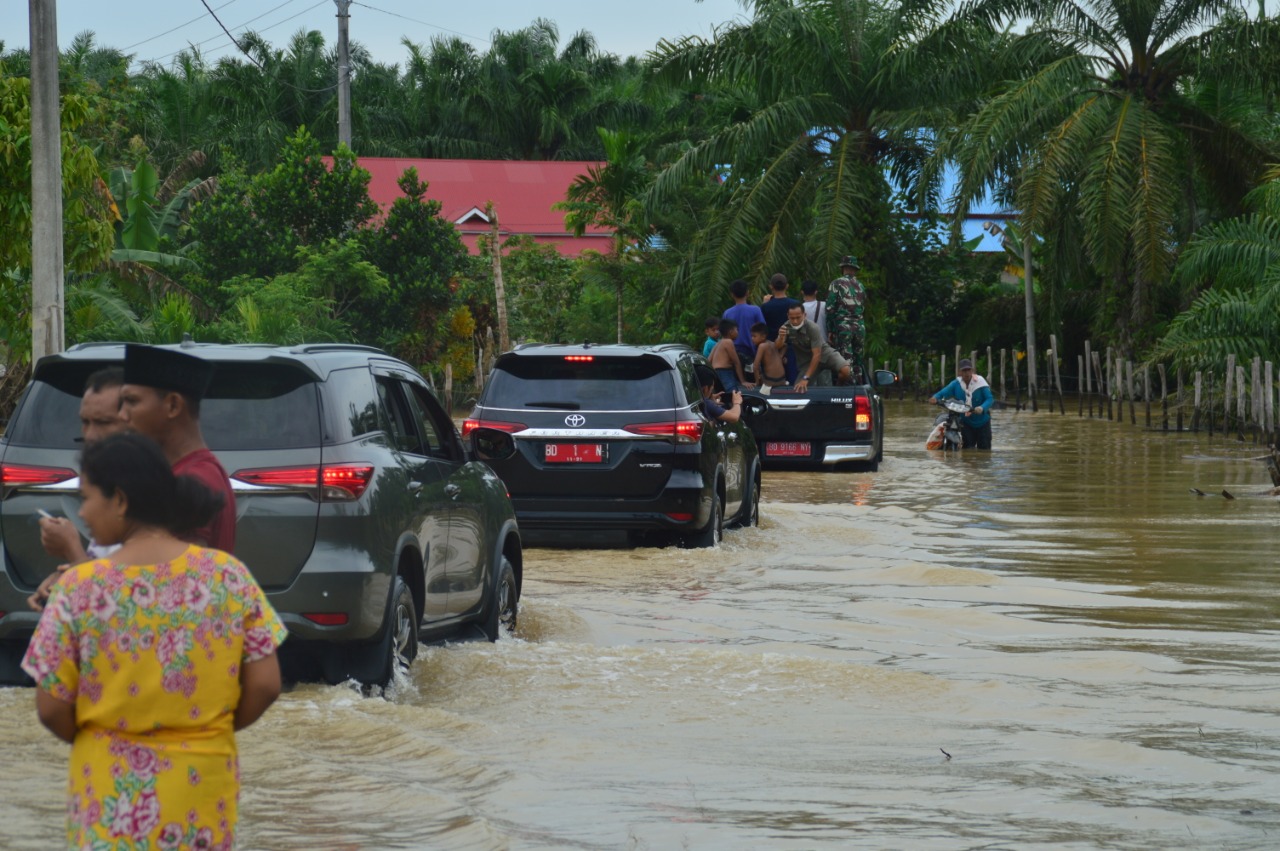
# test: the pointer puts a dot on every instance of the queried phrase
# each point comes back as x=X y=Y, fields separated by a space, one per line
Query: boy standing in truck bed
x=724 y=358
x=770 y=371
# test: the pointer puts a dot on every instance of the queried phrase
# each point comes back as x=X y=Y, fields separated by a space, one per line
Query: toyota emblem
x=575 y=420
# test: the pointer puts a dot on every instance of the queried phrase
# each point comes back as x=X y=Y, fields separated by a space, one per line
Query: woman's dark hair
x=135 y=466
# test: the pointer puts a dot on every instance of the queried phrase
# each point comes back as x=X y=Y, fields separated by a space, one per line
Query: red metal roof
x=522 y=193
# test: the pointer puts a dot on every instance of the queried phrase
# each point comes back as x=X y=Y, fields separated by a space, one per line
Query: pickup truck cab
x=821 y=427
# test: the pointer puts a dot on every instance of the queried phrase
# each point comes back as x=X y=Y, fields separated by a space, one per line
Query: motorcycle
x=946 y=433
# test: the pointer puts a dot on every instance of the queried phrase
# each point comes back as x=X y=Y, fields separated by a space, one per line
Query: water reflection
x=1092 y=644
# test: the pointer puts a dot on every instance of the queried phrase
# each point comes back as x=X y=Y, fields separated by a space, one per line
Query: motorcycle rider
x=973 y=390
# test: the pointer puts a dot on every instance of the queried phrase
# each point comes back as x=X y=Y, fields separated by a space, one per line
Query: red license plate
x=574 y=453
x=781 y=449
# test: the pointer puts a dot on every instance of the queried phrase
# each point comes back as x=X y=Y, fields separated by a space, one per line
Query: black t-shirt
x=775 y=314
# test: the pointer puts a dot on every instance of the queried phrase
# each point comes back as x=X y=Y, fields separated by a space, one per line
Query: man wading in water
x=973 y=390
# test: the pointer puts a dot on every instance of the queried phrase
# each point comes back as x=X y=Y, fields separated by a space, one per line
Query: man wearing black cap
x=161 y=399
x=846 y=300
x=973 y=390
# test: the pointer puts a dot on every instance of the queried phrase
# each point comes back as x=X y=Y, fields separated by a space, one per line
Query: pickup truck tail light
x=469 y=425
x=689 y=431
x=332 y=482
x=862 y=414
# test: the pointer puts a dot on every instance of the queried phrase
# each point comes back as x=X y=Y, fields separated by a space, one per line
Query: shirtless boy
x=770 y=369
x=724 y=358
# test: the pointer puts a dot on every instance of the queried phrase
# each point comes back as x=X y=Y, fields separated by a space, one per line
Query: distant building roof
x=522 y=193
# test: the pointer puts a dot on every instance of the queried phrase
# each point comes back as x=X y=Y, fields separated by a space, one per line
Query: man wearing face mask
x=812 y=352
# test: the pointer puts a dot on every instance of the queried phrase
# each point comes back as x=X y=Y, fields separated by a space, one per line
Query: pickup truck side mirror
x=490 y=444
x=885 y=378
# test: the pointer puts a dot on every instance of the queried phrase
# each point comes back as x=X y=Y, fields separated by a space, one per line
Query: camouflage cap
x=850 y=260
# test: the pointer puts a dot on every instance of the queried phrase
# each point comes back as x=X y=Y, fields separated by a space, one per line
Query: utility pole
x=344 y=75
x=47 y=334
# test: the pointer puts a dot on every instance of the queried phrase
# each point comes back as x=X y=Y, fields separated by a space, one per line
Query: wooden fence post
x=1268 y=409
x=1208 y=401
x=1110 y=383
x=1146 y=393
x=1226 y=393
x=1239 y=403
x=1133 y=393
x=1164 y=399
x=1255 y=385
x=1097 y=375
x=1180 y=397
x=1088 y=374
x=1053 y=371
x=1080 y=394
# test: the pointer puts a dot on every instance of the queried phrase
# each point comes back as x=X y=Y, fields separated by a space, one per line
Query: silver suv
x=362 y=515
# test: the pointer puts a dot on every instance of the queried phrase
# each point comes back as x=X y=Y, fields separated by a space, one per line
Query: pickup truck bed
x=822 y=427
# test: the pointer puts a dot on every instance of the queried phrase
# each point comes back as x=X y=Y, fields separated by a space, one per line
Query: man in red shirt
x=161 y=399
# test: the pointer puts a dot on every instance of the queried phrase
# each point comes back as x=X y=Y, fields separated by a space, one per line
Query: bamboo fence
x=1238 y=400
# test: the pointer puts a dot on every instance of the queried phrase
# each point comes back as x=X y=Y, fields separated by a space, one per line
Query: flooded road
x=1052 y=645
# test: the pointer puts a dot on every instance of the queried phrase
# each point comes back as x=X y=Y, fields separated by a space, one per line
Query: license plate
x=780 y=449
x=574 y=453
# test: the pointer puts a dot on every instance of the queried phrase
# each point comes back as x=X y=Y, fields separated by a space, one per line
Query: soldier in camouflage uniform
x=846 y=299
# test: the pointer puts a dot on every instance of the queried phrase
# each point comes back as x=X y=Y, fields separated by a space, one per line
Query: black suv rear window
x=249 y=406
x=641 y=383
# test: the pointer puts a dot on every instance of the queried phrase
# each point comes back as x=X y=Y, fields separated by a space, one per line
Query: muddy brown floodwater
x=1093 y=646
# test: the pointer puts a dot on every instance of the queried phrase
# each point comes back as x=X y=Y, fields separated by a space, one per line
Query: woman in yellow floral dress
x=147 y=661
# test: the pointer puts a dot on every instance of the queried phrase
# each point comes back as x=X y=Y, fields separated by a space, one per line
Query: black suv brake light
x=678 y=432
x=469 y=425
x=334 y=482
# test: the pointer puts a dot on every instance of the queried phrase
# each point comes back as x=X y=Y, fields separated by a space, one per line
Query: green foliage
x=1122 y=150
x=541 y=289
x=419 y=253
x=1240 y=314
x=86 y=231
x=254 y=225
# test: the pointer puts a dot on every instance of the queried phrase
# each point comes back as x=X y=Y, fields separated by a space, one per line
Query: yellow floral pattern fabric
x=151 y=655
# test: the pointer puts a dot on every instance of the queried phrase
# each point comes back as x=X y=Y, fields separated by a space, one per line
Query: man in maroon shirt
x=161 y=399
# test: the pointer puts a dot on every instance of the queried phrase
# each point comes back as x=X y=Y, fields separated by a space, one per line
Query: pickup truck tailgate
x=802 y=426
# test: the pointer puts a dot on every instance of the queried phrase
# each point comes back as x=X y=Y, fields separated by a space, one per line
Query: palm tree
x=1130 y=124
x=606 y=197
x=811 y=96
x=1240 y=313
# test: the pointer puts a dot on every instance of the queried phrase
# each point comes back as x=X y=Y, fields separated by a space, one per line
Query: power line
x=175 y=29
x=214 y=15
x=424 y=23
x=160 y=59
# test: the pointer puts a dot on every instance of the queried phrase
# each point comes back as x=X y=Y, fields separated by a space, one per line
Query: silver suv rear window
x=249 y=406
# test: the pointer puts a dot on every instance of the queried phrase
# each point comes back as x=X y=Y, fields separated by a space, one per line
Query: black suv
x=614 y=437
x=358 y=509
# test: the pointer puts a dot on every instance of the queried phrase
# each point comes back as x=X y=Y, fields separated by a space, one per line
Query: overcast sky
x=157 y=29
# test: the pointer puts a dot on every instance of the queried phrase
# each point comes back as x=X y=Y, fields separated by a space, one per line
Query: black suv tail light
x=469 y=425
x=334 y=482
x=678 y=432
